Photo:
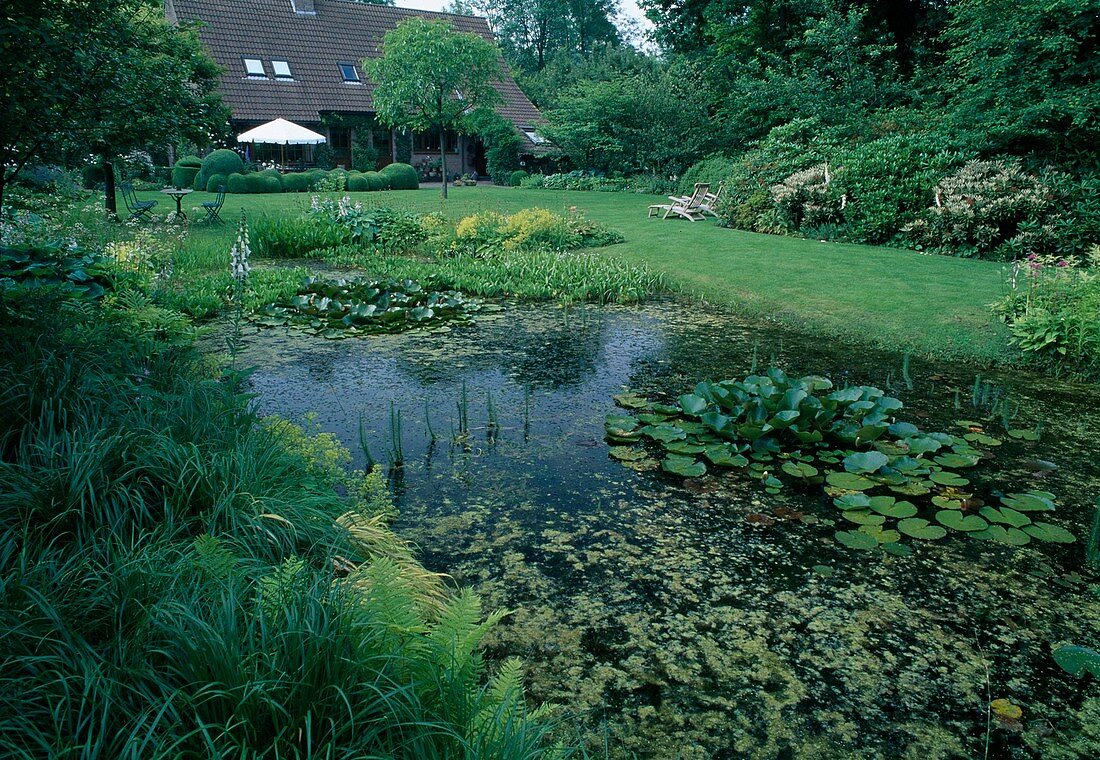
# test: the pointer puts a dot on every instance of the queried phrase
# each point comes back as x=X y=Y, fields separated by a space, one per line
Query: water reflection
x=666 y=623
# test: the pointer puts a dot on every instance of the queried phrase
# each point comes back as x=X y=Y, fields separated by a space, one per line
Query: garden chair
x=710 y=201
x=136 y=208
x=687 y=206
x=215 y=206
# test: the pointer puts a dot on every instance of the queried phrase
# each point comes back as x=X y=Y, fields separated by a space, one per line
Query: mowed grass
x=899 y=299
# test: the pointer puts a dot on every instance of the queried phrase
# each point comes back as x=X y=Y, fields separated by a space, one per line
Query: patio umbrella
x=281 y=132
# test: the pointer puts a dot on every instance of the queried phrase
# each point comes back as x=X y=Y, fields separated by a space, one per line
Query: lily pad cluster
x=888 y=479
x=341 y=308
x=74 y=271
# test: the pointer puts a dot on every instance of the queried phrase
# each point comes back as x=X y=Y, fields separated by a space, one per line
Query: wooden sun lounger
x=687 y=206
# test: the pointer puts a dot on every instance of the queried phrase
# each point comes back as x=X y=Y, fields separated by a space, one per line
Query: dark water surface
x=663 y=622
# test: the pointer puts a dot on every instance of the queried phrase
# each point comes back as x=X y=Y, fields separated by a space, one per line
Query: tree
x=101 y=77
x=432 y=77
x=1025 y=74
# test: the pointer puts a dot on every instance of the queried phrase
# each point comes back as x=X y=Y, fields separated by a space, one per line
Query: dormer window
x=349 y=72
x=281 y=69
x=534 y=136
x=254 y=68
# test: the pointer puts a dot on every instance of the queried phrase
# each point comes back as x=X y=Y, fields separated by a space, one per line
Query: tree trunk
x=109 y=187
x=443 y=158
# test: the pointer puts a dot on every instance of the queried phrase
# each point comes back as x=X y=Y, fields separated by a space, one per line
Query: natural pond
x=707 y=617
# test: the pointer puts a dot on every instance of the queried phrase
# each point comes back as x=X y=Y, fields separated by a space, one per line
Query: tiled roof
x=341 y=31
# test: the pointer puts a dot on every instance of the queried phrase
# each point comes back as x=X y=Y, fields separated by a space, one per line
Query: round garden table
x=178 y=193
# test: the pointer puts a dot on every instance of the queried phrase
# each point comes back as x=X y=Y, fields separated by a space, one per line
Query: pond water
x=664 y=623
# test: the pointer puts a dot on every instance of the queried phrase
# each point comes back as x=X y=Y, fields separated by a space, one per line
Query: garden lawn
x=899 y=299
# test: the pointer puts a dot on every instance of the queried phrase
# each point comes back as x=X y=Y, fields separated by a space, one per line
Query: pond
x=664 y=622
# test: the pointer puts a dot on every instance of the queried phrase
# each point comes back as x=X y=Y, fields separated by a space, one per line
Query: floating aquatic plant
x=877 y=468
x=340 y=308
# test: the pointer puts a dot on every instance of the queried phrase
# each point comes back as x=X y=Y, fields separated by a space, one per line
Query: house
x=301 y=60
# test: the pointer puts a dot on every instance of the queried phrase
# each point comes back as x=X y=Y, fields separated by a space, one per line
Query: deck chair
x=214 y=206
x=136 y=208
x=689 y=206
x=710 y=202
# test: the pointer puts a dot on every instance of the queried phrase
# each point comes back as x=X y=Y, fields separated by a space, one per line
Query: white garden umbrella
x=281 y=132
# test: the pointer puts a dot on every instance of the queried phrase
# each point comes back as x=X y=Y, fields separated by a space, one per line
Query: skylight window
x=254 y=67
x=349 y=72
x=282 y=70
x=534 y=136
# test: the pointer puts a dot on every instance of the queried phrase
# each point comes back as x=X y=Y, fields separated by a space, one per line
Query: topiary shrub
x=239 y=183
x=515 y=179
x=184 y=176
x=214 y=182
x=298 y=182
x=267 y=181
x=401 y=177
x=223 y=162
x=377 y=181
x=190 y=161
x=358 y=182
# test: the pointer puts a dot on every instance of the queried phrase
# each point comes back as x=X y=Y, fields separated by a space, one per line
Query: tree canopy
x=432 y=77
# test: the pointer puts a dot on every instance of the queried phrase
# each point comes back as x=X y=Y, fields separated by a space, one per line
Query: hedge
x=401 y=176
x=377 y=181
x=184 y=176
x=223 y=162
x=358 y=182
x=298 y=182
x=214 y=182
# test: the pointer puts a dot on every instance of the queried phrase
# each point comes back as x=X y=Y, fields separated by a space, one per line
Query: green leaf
x=626 y=453
x=849 y=481
x=853 y=501
x=945 y=478
x=918 y=527
x=1076 y=660
x=692 y=404
x=1045 y=531
x=663 y=433
x=863 y=517
x=855 y=539
x=887 y=505
x=1028 y=502
x=686 y=466
x=1010 y=536
x=1004 y=516
x=799 y=469
x=956 y=520
x=865 y=462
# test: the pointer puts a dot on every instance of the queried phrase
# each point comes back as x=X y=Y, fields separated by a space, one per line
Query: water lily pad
x=863 y=517
x=855 y=539
x=686 y=466
x=684 y=447
x=663 y=433
x=620 y=422
x=853 y=501
x=889 y=506
x=865 y=462
x=898 y=550
x=918 y=527
x=943 y=502
x=956 y=520
x=947 y=478
x=652 y=419
x=631 y=401
x=1045 y=531
x=626 y=453
x=982 y=439
x=881 y=535
x=849 y=481
x=1076 y=660
x=1023 y=434
x=1004 y=516
x=1010 y=536
x=692 y=404
x=1003 y=708
x=799 y=469
x=824 y=571
x=1032 y=501
x=912 y=488
x=955 y=461
x=922 y=445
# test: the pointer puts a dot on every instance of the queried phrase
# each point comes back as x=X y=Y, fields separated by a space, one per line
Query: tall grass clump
x=181 y=579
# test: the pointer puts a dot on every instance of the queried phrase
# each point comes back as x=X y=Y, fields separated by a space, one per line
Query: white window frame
x=250 y=68
x=275 y=62
x=354 y=70
x=534 y=136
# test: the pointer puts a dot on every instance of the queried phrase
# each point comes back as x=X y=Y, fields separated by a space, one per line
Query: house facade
x=301 y=60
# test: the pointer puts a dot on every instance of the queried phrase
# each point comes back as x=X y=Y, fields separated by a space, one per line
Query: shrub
x=712 y=170
x=215 y=181
x=515 y=179
x=808 y=198
x=323 y=156
x=364 y=157
x=1053 y=312
x=297 y=182
x=401 y=176
x=988 y=209
x=184 y=176
x=190 y=161
x=222 y=161
x=293 y=237
x=398 y=231
x=378 y=181
x=358 y=182
x=591 y=234
x=538 y=228
x=481 y=229
x=334 y=181
x=238 y=183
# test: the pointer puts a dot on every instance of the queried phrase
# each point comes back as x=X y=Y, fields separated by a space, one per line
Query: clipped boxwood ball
x=223 y=162
x=402 y=177
x=238 y=183
x=184 y=176
x=214 y=182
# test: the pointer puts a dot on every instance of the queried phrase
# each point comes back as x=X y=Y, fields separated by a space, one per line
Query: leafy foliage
x=847 y=440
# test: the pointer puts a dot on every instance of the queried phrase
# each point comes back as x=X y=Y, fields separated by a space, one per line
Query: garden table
x=178 y=193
